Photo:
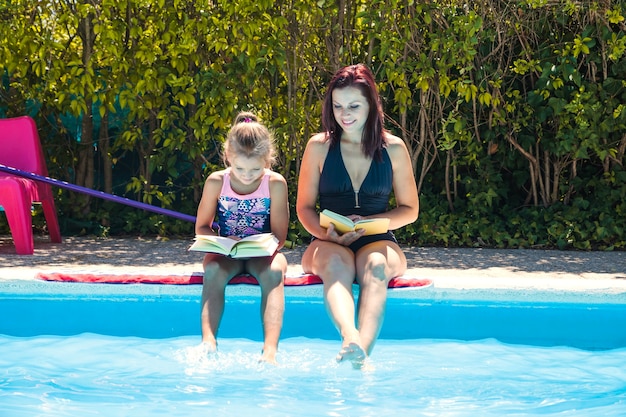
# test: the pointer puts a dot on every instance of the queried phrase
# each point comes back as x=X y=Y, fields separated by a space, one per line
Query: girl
x=352 y=168
x=247 y=198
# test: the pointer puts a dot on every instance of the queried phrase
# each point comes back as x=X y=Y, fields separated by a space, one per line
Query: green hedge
x=513 y=111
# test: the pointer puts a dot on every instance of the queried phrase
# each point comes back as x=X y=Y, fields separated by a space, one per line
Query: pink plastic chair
x=20 y=148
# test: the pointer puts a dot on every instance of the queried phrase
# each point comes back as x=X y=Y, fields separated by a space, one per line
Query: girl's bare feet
x=269 y=355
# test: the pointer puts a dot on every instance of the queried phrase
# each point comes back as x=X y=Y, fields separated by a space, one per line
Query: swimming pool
x=85 y=349
x=590 y=321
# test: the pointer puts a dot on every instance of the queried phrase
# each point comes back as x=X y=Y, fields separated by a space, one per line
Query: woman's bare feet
x=354 y=353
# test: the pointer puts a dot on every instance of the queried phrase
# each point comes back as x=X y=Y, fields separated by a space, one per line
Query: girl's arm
x=279 y=207
x=405 y=190
x=207 y=207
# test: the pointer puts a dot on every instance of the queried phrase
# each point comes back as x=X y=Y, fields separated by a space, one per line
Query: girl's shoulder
x=216 y=176
x=275 y=176
x=277 y=184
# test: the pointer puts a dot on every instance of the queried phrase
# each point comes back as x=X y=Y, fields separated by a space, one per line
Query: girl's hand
x=345 y=239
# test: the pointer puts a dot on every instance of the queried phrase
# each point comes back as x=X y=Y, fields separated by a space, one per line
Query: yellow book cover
x=263 y=244
x=343 y=224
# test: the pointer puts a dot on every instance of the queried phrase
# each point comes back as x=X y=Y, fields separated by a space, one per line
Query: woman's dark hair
x=357 y=76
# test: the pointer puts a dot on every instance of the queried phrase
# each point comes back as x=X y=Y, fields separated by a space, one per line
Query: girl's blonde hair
x=248 y=137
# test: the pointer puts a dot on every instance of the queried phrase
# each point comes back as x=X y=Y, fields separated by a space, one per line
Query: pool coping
x=37 y=289
x=540 y=318
x=473 y=270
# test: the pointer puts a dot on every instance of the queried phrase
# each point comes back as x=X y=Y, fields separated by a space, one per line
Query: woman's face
x=350 y=108
x=246 y=170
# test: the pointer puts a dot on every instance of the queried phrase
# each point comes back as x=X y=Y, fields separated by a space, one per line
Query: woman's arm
x=308 y=185
x=279 y=207
x=208 y=204
x=308 y=192
x=404 y=187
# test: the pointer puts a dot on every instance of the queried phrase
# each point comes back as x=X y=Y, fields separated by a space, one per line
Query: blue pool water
x=99 y=375
x=80 y=350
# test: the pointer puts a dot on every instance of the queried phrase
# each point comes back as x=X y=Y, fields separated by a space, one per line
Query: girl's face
x=247 y=170
x=350 y=108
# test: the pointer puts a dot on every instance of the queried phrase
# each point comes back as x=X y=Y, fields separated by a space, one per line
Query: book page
x=263 y=244
x=215 y=244
x=343 y=224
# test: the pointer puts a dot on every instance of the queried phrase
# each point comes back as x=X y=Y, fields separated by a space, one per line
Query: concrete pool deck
x=449 y=268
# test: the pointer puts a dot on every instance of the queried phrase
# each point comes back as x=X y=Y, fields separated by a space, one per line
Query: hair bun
x=246 y=117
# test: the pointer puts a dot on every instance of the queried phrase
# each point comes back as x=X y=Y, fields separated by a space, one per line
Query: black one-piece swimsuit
x=336 y=192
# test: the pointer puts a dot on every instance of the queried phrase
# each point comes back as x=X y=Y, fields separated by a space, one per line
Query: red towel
x=196 y=278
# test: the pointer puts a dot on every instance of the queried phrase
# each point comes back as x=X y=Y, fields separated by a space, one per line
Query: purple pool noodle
x=98 y=194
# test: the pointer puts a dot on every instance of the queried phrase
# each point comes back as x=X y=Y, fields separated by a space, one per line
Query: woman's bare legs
x=376 y=264
x=218 y=270
x=270 y=273
x=334 y=264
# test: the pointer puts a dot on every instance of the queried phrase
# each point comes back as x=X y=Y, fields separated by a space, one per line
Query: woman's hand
x=345 y=239
x=355 y=217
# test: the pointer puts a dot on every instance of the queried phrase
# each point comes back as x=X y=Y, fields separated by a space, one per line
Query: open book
x=263 y=244
x=343 y=224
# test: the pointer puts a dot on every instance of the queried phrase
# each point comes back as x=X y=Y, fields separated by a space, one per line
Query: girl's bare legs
x=270 y=273
x=218 y=270
x=334 y=264
x=376 y=264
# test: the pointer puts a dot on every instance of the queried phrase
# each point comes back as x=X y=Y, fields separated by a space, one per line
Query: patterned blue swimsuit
x=244 y=215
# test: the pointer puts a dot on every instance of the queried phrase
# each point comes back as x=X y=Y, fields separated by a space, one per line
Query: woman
x=351 y=168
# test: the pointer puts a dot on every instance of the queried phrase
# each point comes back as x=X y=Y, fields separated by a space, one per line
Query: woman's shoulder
x=391 y=139
x=319 y=139
x=394 y=145
x=318 y=144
